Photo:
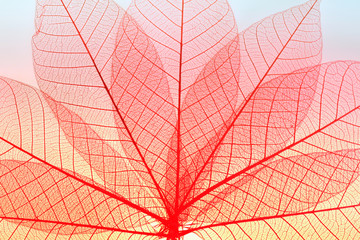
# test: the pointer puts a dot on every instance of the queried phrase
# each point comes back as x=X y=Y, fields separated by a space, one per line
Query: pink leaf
x=280 y=44
x=208 y=106
x=87 y=49
x=187 y=34
x=146 y=113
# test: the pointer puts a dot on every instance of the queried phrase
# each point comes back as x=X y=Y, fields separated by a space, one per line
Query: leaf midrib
x=198 y=197
x=112 y=195
x=116 y=107
x=182 y=233
x=77 y=225
x=183 y=206
x=178 y=150
x=125 y=201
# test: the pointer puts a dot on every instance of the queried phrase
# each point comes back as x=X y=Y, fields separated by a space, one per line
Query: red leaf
x=296 y=176
x=284 y=187
x=146 y=113
x=85 y=55
x=163 y=121
x=37 y=175
x=187 y=34
x=41 y=197
x=280 y=44
x=208 y=106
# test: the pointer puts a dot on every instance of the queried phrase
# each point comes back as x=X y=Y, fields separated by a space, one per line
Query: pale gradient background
x=340 y=22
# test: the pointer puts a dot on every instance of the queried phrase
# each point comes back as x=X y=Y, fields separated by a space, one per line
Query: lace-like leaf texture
x=163 y=121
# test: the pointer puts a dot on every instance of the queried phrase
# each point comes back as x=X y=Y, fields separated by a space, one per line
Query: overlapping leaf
x=162 y=121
